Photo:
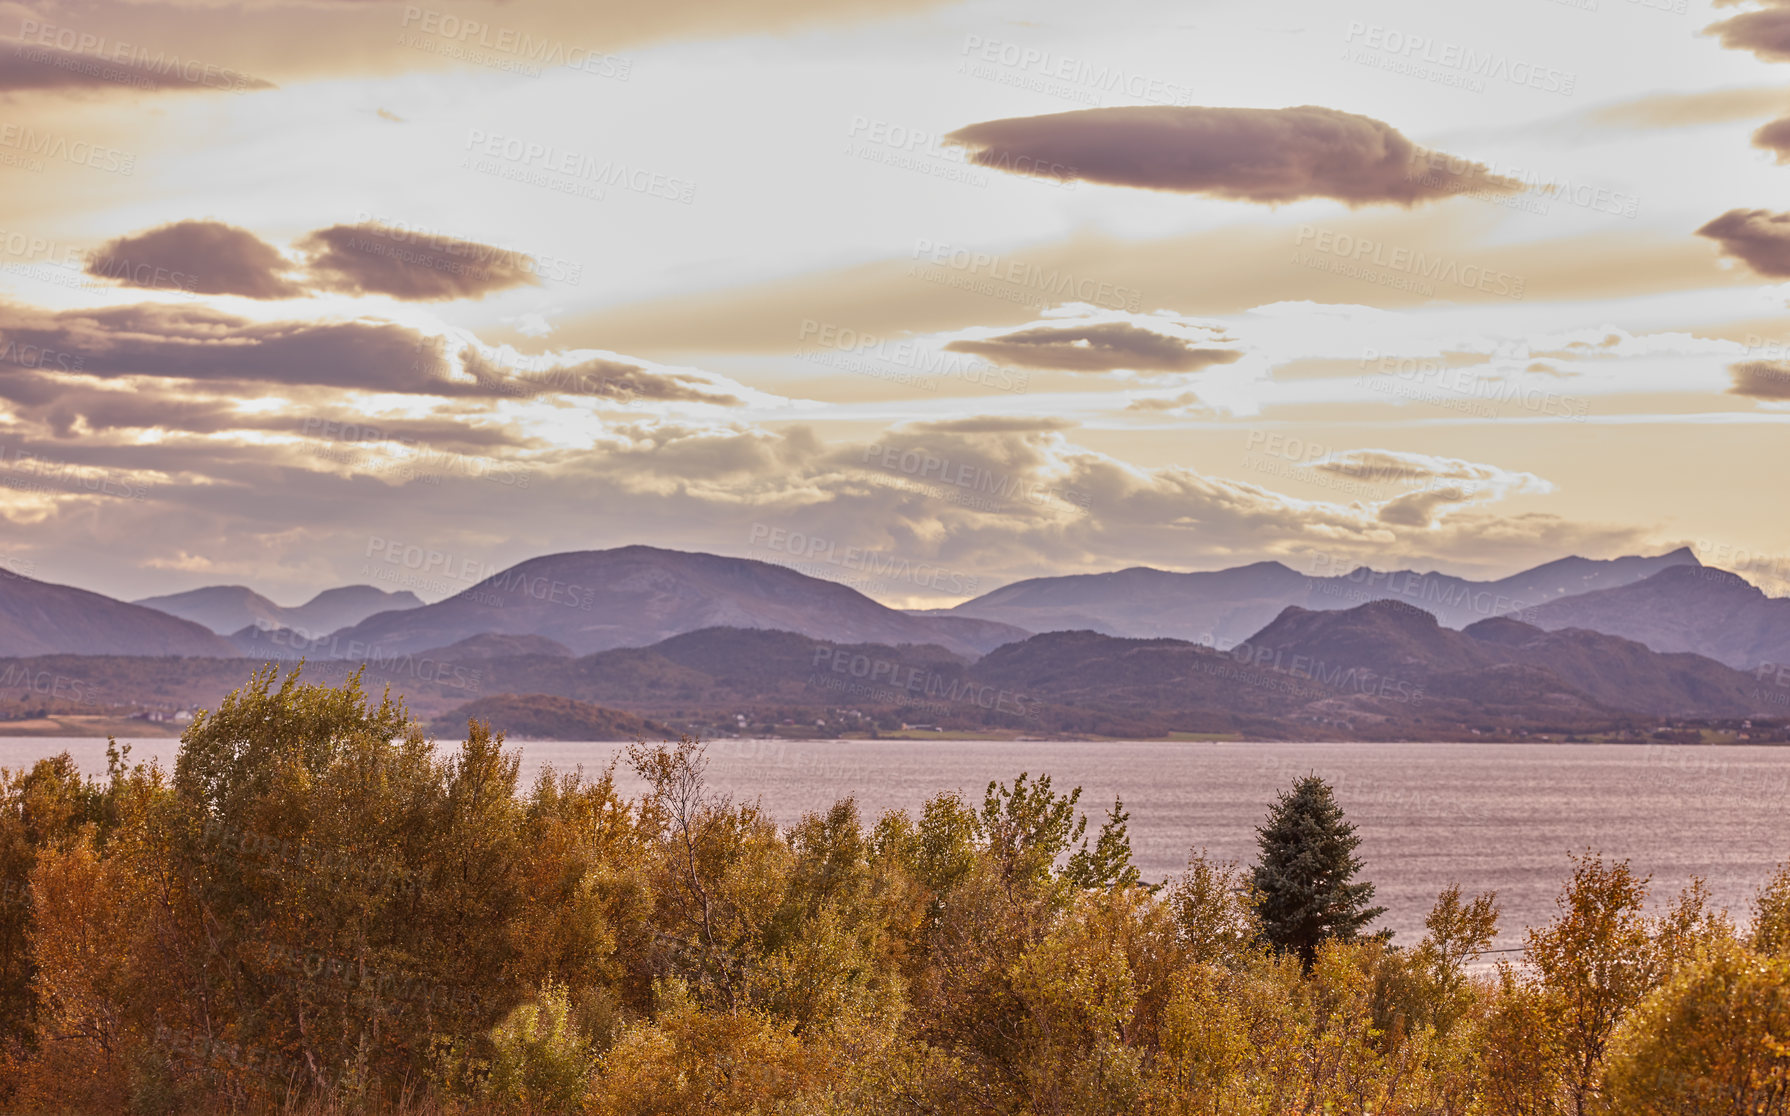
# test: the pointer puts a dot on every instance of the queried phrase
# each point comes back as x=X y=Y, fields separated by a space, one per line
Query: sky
x=920 y=296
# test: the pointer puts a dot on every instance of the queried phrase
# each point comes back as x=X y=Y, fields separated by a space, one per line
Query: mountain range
x=1382 y=670
x=1221 y=607
x=595 y=600
x=640 y=629
x=228 y=609
x=1698 y=609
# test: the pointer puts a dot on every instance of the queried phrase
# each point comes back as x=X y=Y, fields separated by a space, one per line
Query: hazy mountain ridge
x=1703 y=611
x=1220 y=607
x=1404 y=642
x=1384 y=670
x=579 y=603
x=228 y=609
x=40 y=618
x=597 y=600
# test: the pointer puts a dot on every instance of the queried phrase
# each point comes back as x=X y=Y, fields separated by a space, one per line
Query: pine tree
x=1304 y=885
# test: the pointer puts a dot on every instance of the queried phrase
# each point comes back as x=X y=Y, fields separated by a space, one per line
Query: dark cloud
x=193 y=342
x=1775 y=137
x=196 y=342
x=598 y=377
x=1099 y=347
x=1761 y=379
x=370 y=258
x=209 y=257
x=31 y=67
x=1765 y=32
x=1260 y=155
x=1759 y=237
x=204 y=257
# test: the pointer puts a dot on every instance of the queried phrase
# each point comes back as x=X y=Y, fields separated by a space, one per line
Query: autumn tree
x=1595 y=961
x=1770 y=934
x=1712 y=1039
x=1108 y=864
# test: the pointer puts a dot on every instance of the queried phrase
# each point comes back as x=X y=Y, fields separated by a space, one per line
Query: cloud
x=202 y=344
x=1007 y=498
x=1761 y=379
x=1757 y=236
x=1679 y=110
x=205 y=257
x=210 y=257
x=371 y=258
x=1096 y=347
x=884 y=298
x=27 y=67
x=1259 y=155
x=598 y=377
x=1775 y=137
x=997 y=424
x=1187 y=403
x=1765 y=32
x=1444 y=483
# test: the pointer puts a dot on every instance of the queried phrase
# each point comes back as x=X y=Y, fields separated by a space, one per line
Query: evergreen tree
x=1304 y=881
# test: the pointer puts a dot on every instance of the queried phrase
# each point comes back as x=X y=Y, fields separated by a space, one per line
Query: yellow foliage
x=1713 y=1039
x=323 y=912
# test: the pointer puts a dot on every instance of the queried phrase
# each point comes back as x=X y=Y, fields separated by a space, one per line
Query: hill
x=1220 y=607
x=549 y=717
x=1701 y=610
x=1502 y=662
x=38 y=618
x=227 y=609
x=595 y=600
x=1384 y=670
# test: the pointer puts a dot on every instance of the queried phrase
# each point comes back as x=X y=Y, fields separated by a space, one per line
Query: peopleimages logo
x=919 y=681
x=1017 y=280
x=1362 y=251
x=1390 y=43
x=542 y=164
x=876 y=563
x=968 y=475
x=134 y=64
x=1076 y=79
x=49 y=145
x=1423 y=589
x=908 y=354
x=1333 y=676
x=1412 y=378
x=532 y=53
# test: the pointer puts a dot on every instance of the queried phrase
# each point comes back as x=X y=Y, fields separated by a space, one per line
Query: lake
x=1492 y=817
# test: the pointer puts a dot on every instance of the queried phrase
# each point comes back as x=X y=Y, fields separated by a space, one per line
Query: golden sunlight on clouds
x=1194 y=289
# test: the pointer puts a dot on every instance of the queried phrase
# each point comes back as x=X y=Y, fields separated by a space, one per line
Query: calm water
x=1489 y=816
